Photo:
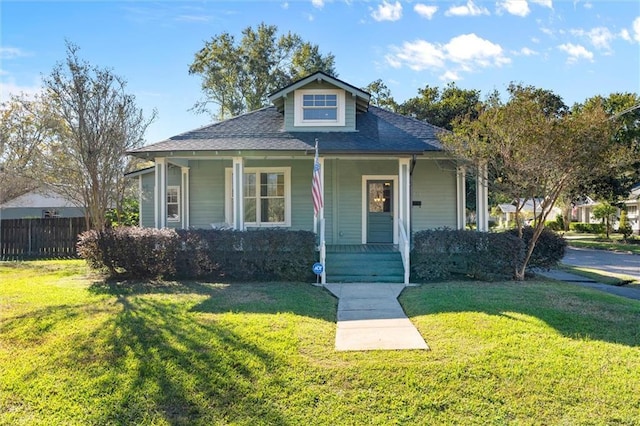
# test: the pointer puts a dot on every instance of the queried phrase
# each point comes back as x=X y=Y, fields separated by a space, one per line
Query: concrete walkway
x=630 y=293
x=371 y=318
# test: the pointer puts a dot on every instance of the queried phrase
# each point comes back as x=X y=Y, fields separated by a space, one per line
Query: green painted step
x=365 y=267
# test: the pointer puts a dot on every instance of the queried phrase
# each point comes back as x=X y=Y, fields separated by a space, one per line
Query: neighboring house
x=43 y=202
x=506 y=217
x=584 y=210
x=384 y=176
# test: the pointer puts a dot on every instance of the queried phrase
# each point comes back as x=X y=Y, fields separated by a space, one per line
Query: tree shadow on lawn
x=249 y=297
x=169 y=362
x=574 y=312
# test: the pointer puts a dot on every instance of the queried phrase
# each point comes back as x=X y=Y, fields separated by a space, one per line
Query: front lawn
x=599 y=242
x=78 y=351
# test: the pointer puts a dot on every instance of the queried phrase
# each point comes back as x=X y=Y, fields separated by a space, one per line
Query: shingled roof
x=378 y=131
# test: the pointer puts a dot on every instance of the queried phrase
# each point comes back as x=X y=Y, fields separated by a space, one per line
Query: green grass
x=598 y=242
x=76 y=350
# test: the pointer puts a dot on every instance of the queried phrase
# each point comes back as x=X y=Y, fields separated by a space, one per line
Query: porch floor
x=362 y=248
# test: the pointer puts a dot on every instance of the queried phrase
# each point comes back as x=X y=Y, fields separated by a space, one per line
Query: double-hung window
x=316 y=107
x=173 y=203
x=267 y=196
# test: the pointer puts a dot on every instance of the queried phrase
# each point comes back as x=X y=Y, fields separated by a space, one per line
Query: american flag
x=316 y=188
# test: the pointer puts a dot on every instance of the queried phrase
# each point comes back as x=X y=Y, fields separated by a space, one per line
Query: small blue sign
x=318 y=268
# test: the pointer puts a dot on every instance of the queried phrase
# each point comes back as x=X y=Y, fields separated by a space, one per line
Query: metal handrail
x=404 y=249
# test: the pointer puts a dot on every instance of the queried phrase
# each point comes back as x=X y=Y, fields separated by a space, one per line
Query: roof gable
x=362 y=97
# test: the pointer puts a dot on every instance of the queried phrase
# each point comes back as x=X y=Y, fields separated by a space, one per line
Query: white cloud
x=11 y=52
x=636 y=29
x=464 y=53
x=418 y=55
x=285 y=5
x=425 y=11
x=515 y=7
x=450 y=76
x=575 y=52
x=624 y=34
x=388 y=12
x=10 y=87
x=599 y=37
x=193 y=18
x=471 y=51
x=470 y=9
x=525 y=51
x=318 y=4
x=545 y=3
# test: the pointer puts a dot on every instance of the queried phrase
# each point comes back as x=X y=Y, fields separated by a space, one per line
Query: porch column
x=238 y=193
x=461 y=200
x=404 y=199
x=482 y=199
x=185 y=197
x=160 y=193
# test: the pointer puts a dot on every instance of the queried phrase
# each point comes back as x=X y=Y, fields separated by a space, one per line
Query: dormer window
x=319 y=108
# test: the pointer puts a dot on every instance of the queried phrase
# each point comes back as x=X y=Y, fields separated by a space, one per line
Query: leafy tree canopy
x=533 y=148
x=442 y=107
x=624 y=109
x=237 y=76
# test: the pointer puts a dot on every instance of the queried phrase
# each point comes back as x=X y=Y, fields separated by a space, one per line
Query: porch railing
x=322 y=248
x=405 y=250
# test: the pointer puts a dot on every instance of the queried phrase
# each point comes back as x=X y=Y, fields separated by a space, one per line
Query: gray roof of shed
x=378 y=132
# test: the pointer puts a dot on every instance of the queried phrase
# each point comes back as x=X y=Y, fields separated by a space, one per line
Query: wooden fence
x=40 y=238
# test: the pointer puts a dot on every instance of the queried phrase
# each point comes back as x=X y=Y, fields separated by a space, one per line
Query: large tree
x=238 y=76
x=26 y=126
x=534 y=149
x=97 y=123
x=615 y=185
x=381 y=95
x=441 y=107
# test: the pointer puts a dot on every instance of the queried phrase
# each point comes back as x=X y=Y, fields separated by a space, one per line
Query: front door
x=380 y=211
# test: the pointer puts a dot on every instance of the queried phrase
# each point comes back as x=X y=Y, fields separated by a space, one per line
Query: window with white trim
x=173 y=203
x=267 y=196
x=319 y=107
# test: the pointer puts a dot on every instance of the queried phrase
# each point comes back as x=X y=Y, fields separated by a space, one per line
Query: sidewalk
x=371 y=318
x=567 y=277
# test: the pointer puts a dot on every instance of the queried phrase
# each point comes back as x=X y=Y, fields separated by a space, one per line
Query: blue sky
x=578 y=49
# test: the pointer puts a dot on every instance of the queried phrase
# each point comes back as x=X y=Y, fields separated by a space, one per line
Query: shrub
x=549 y=249
x=442 y=253
x=269 y=254
x=624 y=227
x=587 y=228
x=136 y=252
x=235 y=255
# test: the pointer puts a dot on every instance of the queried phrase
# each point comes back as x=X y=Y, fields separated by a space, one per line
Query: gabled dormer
x=320 y=103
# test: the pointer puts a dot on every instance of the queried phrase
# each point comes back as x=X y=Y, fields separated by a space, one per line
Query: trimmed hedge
x=233 y=255
x=136 y=252
x=588 y=228
x=441 y=254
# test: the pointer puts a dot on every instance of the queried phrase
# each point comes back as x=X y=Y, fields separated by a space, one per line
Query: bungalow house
x=584 y=209
x=531 y=209
x=42 y=202
x=382 y=176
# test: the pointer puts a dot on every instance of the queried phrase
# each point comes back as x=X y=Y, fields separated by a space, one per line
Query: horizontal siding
x=345 y=213
x=434 y=184
x=206 y=192
x=350 y=111
x=147 y=218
